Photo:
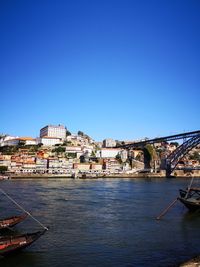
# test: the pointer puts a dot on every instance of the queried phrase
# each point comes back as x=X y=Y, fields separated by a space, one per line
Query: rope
x=19 y=206
x=166 y=210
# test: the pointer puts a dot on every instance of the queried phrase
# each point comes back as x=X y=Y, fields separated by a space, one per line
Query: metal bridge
x=191 y=140
x=141 y=144
x=173 y=159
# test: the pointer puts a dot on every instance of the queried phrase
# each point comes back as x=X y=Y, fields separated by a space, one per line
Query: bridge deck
x=161 y=139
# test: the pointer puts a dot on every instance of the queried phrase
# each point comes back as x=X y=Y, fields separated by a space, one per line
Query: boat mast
x=189 y=187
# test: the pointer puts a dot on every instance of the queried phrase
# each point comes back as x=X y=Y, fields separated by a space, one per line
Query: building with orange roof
x=17 y=140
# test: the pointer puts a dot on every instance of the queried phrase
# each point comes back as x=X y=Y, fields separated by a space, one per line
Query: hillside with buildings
x=57 y=151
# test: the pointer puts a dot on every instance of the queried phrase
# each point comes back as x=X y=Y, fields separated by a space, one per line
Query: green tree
x=93 y=154
x=21 y=143
x=9 y=150
x=68 y=133
x=59 y=150
x=149 y=155
x=174 y=144
x=195 y=156
x=71 y=155
x=3 y=169
x=139 y=157
x=40 y=144
x=80 y=133
x=67 y=143
x=118 y=158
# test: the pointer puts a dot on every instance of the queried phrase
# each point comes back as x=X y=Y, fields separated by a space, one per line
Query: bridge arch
x=170 y=163
x=173 y=159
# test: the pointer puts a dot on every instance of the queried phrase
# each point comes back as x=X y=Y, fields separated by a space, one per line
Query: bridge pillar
x=147 y=161
x=168 y=171
x=166 y=165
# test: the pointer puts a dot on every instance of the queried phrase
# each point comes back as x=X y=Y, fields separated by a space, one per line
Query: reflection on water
x=108 y=222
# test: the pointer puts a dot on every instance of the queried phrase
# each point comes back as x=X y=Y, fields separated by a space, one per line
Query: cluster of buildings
x=57 y=151
x=50 y=135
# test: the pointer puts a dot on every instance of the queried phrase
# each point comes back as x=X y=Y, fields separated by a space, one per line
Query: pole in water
x=166 y=210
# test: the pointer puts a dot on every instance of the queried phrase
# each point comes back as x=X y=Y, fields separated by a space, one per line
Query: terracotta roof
x=26 y=138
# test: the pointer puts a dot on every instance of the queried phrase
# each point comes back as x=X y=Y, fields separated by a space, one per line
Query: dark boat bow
x=190 y=198
x=12 y=244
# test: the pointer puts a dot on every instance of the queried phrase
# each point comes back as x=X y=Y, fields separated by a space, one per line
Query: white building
x=49 y=141
x=57 y=131
x=78 y=140
x=124 y=155
x=87 y=149
x=14 y=141
x=109 y=142
x=4 y=141
x=108 y=152
x=41 y=164
x=74 y=150
x=112 y=165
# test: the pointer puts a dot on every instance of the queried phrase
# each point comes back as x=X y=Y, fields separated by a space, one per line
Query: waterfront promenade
x=179 y=174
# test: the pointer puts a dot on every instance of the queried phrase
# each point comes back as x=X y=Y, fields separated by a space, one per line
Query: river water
x=102 y=222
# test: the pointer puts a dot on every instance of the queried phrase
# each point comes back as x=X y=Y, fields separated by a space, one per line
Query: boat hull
x=13 y=244
x=12 y=221
x=191 y=205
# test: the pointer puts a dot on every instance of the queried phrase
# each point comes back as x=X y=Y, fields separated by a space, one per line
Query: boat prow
x=13 y=244
x=191 y=203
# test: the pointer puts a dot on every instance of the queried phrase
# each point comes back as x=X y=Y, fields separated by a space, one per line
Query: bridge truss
x=192 y=140
x=173 y=159
x=142 y=144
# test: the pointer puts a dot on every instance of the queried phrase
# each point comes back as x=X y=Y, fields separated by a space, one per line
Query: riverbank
x=96 y=176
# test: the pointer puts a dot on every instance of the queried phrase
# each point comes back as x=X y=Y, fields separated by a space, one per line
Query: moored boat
x=190 y=198
x=12 y=244
x=11 y=221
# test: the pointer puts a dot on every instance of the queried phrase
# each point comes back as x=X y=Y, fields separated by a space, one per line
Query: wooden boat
x=11 y=221
x=12 y=244
x=190 y=198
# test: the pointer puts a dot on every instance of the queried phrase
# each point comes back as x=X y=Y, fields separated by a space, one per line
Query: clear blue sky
x=122 y=69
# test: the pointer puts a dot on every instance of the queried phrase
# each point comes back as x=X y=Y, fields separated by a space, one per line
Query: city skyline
x=112 y=69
